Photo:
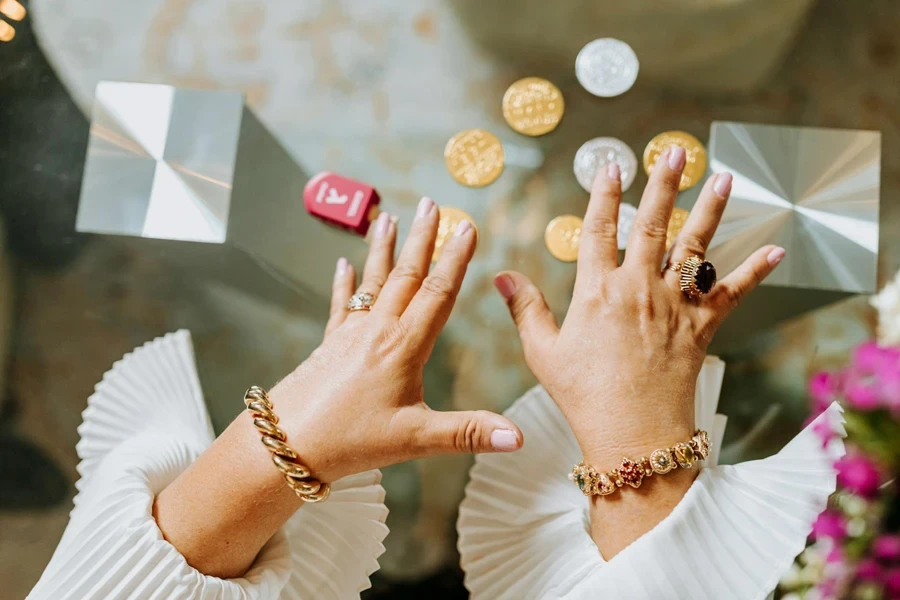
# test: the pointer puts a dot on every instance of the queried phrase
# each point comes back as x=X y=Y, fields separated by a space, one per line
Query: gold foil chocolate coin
x=695 y=163
x=676 y=223
x=563 y=236
x=449 y=218
x=533 y=106
x=474 y=157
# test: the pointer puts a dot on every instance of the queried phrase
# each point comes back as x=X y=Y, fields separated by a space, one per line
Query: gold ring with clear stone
x=361 y=301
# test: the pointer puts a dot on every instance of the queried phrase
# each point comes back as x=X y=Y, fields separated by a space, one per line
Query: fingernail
x=775 y=256
x=425 y=205
x=504 y=440
x=462 y=228
x=382 y=224
x=341 y=266
x=613 y=172
x=505 y=285
x=722 y=186
x=676 y=158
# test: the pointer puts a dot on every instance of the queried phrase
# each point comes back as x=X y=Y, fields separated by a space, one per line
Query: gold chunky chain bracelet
x=274 y=438
x=592 y=482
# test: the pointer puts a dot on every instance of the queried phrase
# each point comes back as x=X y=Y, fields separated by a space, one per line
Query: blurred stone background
x=373 y=89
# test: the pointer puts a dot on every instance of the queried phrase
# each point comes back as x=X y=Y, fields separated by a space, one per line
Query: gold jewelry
x=632 y=472
x=274 y=438
x=361 y=301
x=698 y=276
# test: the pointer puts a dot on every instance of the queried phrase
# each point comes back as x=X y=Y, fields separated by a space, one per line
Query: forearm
x=221 y=511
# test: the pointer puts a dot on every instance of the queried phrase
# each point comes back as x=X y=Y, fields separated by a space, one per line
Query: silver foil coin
x=607 y=67
x=595 y=154
x=627 y=213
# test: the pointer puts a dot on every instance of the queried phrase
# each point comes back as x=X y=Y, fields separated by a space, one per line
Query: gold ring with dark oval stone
x=698 y=276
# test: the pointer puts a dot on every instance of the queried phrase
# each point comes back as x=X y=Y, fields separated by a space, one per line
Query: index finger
x=430 y=308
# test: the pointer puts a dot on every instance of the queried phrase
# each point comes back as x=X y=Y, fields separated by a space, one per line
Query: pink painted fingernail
x=676 y=158
x=505 y=285
x=722 y=186
x=341 y=266
x=382 y=224
x=424 y=208
x=613 y=171
x=462 y=228
x=775 y=256
x=504 y=440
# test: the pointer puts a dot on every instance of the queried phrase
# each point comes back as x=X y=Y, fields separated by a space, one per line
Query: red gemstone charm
x=631 y=472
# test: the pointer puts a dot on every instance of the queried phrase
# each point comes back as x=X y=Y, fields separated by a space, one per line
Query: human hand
x=623 y=366
x=357 y=403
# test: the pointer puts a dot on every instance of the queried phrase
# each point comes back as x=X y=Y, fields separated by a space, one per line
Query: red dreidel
x=341 y=202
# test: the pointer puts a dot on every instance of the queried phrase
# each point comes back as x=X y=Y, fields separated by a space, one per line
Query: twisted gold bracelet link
x=285 y=458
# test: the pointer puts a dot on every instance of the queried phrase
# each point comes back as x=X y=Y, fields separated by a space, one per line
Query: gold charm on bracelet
x=274 y=438
x=632 y=472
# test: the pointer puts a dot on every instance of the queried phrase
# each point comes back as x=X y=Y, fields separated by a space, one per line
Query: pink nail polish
x=382 y=225
x=505 y=285
x=341 y=266
x=462 y=228
x=424 y=207
x=722 y=186
x=676 y=158
x=775 y=256
x=613 y=171
x=504 y=440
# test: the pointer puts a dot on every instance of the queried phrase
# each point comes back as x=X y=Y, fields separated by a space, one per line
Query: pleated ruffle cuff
x=144 y=425
x=524 y=527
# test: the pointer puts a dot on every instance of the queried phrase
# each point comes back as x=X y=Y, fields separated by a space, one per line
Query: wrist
x=633 y=431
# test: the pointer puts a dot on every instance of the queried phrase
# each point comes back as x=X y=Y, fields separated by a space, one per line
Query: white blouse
x=524 y=527
x=144 y=425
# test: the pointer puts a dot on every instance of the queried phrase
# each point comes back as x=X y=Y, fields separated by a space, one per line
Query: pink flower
x=862 y=393
x=868 y=569
x=890 y=389
x=887 y=547
x=829 y=524
x=822 y=388
x=873 y=379
x=858 y=474
x=872 y=358
x=827 y=589
x=891 y=581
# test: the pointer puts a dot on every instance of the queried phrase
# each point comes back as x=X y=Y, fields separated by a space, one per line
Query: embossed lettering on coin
x=607 y=67
x=676 y=223
x=695 y=163
x=533 y=106
x=563 y=236
x=474 y=157
x=450 y=217
x=595 y=154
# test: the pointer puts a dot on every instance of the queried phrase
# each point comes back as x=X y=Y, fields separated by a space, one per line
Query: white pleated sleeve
x=524 y=526
x=144 y=425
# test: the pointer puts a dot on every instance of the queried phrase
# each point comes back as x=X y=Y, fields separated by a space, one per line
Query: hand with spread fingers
x=356 y=404
x=624 y=364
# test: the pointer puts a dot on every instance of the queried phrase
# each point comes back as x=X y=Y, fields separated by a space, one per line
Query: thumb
x=529 y=311
x=470 y=431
